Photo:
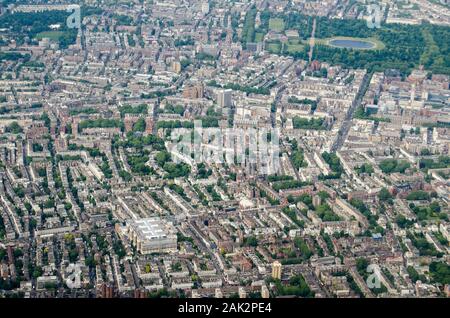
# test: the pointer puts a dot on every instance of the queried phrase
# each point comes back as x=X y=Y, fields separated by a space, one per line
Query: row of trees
x=129 y=109
x=100 y=123
x=304 y=123
x=335 y=165
x=297 y=156
x=288 y=184
x=174 y=170
x=394 y=165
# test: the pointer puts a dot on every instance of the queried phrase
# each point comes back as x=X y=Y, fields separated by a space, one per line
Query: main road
x=346 y=124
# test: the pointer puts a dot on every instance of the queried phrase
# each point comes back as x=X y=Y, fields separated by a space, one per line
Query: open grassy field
x=259 y=37
x=294 y=45
x=292 y=48
x=52 y=35
x=273 y=47
x=276 y=24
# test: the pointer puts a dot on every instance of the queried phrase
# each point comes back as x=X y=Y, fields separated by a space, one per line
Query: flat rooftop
x=150 y=228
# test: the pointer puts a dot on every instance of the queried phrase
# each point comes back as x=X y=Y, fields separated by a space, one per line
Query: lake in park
x=352 y=44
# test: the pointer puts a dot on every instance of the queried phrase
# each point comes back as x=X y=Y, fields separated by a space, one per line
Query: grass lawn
x=276 y=24
x=294 y=45
x=292 y=48
x=273 y=47
x=259 y=37
x=52 y=35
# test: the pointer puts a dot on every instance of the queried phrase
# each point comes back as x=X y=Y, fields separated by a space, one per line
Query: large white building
x=152 y=235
